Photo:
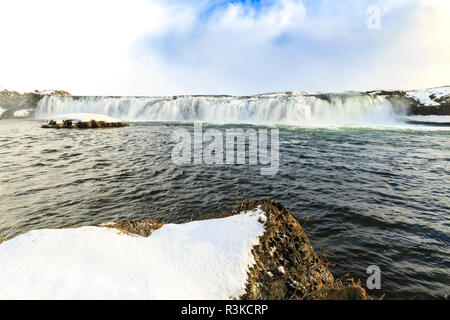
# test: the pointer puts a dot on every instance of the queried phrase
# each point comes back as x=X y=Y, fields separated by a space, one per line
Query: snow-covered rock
x=198 y=260
x=430 y=97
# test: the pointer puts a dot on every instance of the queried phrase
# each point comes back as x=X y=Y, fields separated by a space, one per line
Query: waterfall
x=295 y=109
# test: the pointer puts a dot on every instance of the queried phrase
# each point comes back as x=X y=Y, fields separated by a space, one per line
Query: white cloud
x=269 y=21
x=82 y=46
x=159 y=47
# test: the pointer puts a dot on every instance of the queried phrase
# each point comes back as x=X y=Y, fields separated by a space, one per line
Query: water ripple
x=364 y=196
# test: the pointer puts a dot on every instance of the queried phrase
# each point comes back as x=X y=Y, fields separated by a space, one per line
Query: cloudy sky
x=153 y=47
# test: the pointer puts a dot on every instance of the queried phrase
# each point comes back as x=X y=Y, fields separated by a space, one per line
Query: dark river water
x=364 y=196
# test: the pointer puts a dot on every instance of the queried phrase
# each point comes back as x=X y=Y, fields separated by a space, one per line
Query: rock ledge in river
x=83 y=121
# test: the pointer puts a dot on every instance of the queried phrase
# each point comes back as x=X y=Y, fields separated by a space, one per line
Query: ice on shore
x=206 y=259
x=432 y=119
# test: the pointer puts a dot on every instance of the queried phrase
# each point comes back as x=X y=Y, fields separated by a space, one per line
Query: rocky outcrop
x=287 y=267
x=83 y=121
x=421 y=110
x=13 y=102
x=52 y=93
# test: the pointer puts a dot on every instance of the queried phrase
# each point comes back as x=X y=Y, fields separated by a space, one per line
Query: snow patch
x=84 y=117
x=281 y=270
x=22 y=113
x=198 y=260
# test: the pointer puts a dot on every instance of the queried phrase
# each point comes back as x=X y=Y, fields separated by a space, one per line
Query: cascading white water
x=296 y=109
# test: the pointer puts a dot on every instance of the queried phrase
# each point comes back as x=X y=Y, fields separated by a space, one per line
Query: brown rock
x=287 y=266
x=141 y=227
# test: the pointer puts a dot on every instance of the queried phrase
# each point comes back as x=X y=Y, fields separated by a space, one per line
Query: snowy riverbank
x=198 y=260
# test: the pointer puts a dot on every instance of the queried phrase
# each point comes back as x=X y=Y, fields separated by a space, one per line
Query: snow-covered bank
x=206 y=259
x=430 y=97
x=433 y=101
